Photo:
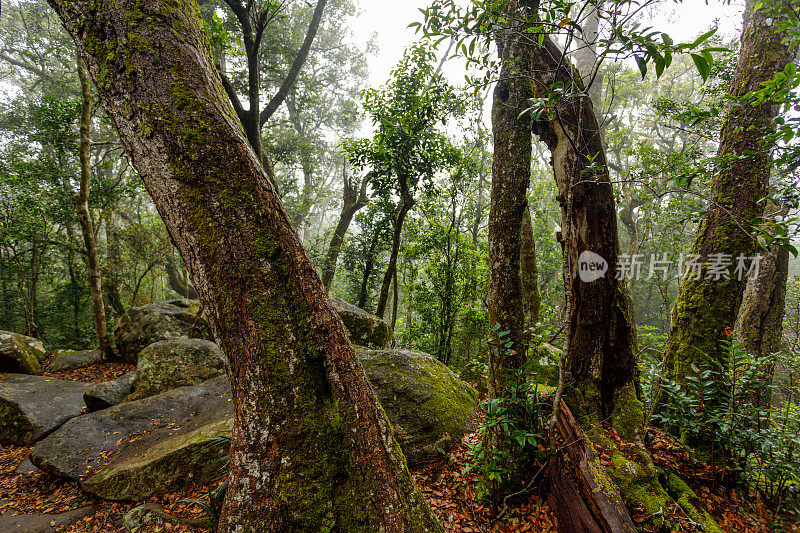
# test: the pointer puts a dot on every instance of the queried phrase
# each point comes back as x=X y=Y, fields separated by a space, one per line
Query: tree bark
x=81 y=201
x=406 y=203
x=760 y=324
x=353 y=201
x=706 y=307
x=530 y=276
x=311 y=449
x=511 y=171
x=369 y=266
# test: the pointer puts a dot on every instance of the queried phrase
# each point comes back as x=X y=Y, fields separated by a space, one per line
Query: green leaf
x=702 y=66
x=697 y=42
x=642 y=64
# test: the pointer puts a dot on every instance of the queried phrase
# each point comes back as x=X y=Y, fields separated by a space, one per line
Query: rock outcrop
x=109 y=393
x=34 y=406
x=21 y=354
x=173 y=363
x=140 y=327
x=365 y=329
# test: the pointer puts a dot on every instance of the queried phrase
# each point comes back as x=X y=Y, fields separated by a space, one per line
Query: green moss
x=639 y=486
x=683 y=494
x=628 y=415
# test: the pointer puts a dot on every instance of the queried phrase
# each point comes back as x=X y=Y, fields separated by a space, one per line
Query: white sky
x=390 y=18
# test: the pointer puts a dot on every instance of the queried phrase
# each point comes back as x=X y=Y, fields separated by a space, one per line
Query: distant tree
x=407 y=149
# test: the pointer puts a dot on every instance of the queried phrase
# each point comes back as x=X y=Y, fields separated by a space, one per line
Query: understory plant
x=512 y=439
x=729 y=414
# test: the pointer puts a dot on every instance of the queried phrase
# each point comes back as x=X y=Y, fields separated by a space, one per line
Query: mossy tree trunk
x=600 y=354
x=532 y=299
x=760 y=324
x=706 y=307
x=511 y=173
x=81 y=201
x=312 y=449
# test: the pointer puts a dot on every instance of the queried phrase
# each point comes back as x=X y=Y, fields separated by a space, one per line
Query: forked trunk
x=708 y=304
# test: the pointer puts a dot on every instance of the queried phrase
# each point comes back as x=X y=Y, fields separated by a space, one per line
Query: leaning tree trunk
x=406 y=203
x=706 y=307
x=81 y=201
x=312 y=449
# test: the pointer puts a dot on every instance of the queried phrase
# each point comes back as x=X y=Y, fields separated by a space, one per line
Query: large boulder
x=165 y=365
x=365 y=329
x=144 y=448
x=70 y=360
x=109 y=393
x=20 y=354
x=34 y=406
x=141 y=326
x=429 y=407
x=162 y=443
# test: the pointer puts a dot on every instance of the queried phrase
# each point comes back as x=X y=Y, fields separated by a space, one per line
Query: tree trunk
x=511 y=171
x=369 y=266
x=177 y=280
x=406 y=203
x=81 y=201
x=395 y=299
x=586 y=56
x=113 y=282
x=311 y=449
x=354 y=200
x=760 y=324
x=531 y=299
x=706 y=307
x=600 y=353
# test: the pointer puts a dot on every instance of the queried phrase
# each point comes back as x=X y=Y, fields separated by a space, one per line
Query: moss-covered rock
x=140 y=327
x=429 y=407
x=21 y=354
x=543 y=363
x=168 y=364
x=34 y=406
x=364 y=329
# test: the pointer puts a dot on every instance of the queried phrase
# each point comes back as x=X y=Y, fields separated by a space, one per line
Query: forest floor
x=447 y=485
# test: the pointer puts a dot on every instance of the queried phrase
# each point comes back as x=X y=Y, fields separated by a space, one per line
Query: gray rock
x=151 y=513
x=162 y=443
x=146 y=447
x=34 y=406
x=43 y=523
x=70 y=360
x=21 y=354
x=26 y=466
x=365 y=329
x=109 y=393
x=429 y=407
x=165 y=365
x=141 y=326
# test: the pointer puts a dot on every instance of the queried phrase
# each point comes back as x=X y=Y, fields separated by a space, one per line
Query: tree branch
x=297 y=65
